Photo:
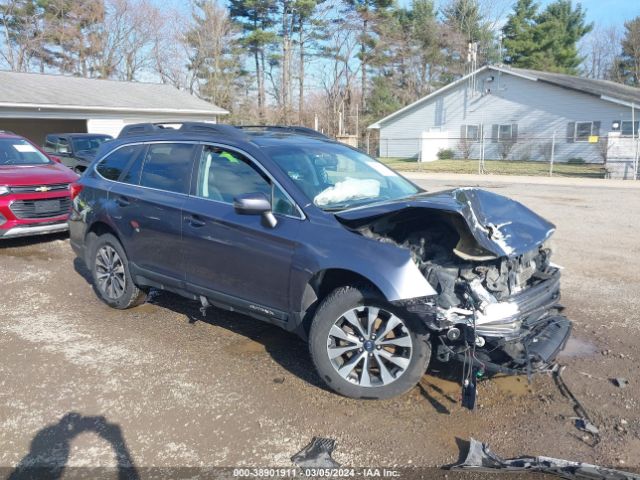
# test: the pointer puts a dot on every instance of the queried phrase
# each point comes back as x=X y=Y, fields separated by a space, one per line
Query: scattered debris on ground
x=620 y=382
x=481 y=458
x=317 y=454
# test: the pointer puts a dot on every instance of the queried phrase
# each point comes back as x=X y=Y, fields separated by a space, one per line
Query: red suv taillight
x=75 y=189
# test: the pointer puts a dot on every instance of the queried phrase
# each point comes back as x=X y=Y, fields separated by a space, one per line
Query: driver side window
x=224 y=174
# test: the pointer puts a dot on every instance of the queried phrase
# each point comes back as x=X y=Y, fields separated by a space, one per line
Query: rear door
x=237 y=258
x=147 y=205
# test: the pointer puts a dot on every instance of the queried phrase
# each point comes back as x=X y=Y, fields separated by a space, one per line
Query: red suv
x=35 y=197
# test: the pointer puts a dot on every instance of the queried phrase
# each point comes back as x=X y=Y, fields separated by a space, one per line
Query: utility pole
x=553 y=153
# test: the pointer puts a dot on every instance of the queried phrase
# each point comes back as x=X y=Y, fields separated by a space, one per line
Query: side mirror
x=55 y=159
x=255 y=204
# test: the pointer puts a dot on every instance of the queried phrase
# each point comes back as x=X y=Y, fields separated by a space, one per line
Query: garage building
x=34 y=105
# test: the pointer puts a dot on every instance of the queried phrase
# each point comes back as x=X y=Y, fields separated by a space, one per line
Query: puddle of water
x=513 y=385
x=576 y=347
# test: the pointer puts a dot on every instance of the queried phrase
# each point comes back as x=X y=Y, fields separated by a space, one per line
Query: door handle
x=195 y=221
x=122 y=201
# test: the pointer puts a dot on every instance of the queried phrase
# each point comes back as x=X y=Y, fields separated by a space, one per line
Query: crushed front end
x=487 y=258
x=505 y=312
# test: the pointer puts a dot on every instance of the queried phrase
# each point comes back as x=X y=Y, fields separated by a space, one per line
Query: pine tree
x=546 y=41
x=425 y=34
x=213 y=53
x=519 y=33
x=559 y=28
x=628 y=63
x=256 y=20
x=369 y=13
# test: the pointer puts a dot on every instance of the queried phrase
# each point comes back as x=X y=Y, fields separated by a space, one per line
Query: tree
x=600 y=49
x=369 y=13
x=21 y=25
x=255 y=17
x=73 y=34
x=465 y=22
x=213 y=53
x=559 y=29
x=308 y=25
x=628 y=63
x=546 y=41
x=425 y=33
x=519 y=34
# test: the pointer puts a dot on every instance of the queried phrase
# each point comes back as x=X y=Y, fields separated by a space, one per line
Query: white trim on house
x=89 y=108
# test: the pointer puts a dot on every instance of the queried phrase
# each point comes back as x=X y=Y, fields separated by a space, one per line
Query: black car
x=75 y=150
x=292 y=228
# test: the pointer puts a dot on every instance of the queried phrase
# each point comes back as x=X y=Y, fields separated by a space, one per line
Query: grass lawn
x=498 y=167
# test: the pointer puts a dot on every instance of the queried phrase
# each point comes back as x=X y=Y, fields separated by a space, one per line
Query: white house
x=34 y=105
x=517 y=114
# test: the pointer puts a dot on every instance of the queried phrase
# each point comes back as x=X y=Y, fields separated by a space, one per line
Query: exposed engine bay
x=503 y=308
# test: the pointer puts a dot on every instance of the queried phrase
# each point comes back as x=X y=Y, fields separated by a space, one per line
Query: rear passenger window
x=114 y=164
x=132 y=173
x=168 y=167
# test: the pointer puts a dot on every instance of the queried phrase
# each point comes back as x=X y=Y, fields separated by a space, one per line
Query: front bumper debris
x=525 y=340
x=481 y=459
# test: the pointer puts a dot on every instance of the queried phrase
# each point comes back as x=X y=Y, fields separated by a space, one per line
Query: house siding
x=539 y=109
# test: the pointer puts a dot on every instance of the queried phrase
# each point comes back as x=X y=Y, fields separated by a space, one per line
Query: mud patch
x=515 y=386
x=248 y=346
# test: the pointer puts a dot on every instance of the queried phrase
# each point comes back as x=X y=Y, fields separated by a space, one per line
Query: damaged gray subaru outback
x=290 y=227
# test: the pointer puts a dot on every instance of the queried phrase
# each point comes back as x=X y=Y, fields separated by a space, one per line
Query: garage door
x=37 y=129
x=107 y=126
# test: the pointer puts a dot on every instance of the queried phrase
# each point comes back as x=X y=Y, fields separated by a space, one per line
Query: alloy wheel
x=110 y=272
x=369 y=346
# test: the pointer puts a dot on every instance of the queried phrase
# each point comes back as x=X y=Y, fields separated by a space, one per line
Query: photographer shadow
x=49 y=450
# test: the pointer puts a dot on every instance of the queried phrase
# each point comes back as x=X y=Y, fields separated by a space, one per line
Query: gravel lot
x=162 y=386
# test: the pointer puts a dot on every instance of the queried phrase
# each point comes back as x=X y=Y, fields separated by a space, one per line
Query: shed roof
x=603 y=89
x=34 y=90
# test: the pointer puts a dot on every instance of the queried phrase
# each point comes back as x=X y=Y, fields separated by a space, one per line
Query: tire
x=118 y=291
x=395 y=361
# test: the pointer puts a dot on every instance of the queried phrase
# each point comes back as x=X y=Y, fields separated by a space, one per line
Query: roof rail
x=285 y=128
x=138 y=129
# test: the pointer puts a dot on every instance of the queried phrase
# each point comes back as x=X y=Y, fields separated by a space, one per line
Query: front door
x=238 y=258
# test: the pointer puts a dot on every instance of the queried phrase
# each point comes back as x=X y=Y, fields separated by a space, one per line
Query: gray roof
x=600 y=88
x=74 y=93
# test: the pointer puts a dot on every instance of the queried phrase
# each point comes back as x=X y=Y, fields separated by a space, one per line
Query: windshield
x=336 y=177
x=16 y=151
x=88 y=145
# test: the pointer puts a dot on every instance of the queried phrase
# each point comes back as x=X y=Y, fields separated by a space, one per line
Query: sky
x=602 y=12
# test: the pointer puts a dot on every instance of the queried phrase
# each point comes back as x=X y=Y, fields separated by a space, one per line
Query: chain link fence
x=506 y=152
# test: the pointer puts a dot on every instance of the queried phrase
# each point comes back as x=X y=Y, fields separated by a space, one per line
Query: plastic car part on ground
x=481 y=458
x=317 y=454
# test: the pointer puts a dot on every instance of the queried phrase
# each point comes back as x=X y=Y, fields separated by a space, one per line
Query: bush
x=576 y=161
x=446 y=154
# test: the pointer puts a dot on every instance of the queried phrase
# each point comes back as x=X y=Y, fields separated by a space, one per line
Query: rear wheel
x=111 y=277
x=362 y=346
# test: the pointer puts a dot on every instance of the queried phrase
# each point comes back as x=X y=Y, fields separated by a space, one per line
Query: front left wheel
x=111 y=277
x=364 y=347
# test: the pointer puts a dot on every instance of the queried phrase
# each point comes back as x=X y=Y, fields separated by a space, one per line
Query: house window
x=629 y=128
x=583 y=131
x=472 y=132
x=505 y=133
